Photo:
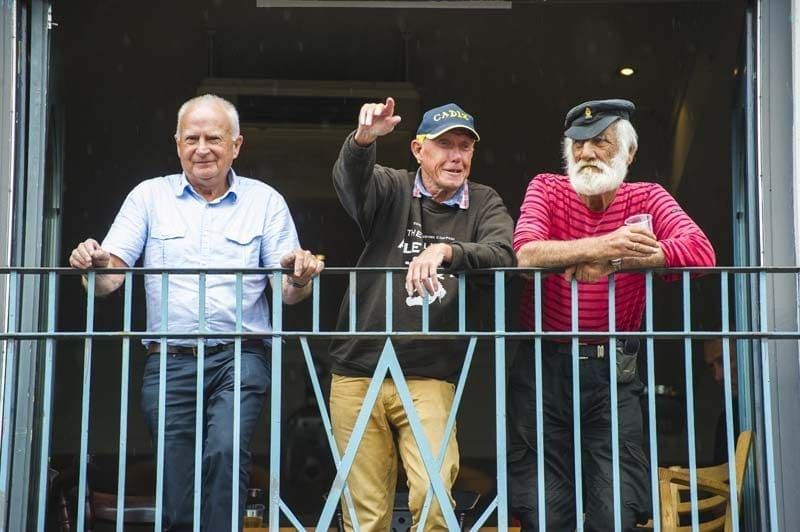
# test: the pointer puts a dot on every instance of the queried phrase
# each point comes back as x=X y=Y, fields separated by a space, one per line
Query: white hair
x=230 y=111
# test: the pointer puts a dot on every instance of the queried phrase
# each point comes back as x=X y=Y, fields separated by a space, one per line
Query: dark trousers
x=179 y=432
x=598 y=501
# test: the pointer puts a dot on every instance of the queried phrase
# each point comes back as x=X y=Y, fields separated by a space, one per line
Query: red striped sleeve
x=552 y=211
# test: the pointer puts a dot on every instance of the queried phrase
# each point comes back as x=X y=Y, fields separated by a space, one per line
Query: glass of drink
x=254 y=509
x=644 y=220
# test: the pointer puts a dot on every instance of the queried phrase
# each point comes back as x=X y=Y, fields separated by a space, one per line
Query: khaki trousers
x=373 y=477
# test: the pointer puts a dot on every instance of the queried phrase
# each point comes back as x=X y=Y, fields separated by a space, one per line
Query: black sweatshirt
x=396 y=227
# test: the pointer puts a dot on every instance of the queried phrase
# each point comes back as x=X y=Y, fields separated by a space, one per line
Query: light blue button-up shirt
x=249 y=226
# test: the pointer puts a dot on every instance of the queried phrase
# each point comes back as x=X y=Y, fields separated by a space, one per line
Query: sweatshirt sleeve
x=683 y=242
x=492 y=245
x=355 y=183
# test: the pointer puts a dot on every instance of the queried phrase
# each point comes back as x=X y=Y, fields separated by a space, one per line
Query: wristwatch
x=616 y=264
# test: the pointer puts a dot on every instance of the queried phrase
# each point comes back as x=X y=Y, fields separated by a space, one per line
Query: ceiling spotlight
x=627 y=71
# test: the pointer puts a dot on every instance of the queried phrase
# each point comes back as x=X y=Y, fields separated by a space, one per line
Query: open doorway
x=127 y=67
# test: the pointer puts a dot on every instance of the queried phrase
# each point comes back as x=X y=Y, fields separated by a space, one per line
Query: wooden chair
x=713 y=493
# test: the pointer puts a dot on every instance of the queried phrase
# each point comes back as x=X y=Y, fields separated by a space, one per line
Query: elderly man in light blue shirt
x=205 y=217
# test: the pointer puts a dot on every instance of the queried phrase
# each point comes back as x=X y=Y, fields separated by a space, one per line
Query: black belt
x=596 y=351
x=210 y=349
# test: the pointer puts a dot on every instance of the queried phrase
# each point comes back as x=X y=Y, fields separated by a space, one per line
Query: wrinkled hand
x=375 y=120
x=588 y=272
x=89 y=254
x=306 y=266
x=636 y=242
x=421 y=276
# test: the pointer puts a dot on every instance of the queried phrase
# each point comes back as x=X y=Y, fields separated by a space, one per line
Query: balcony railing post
x=500 y=397
x=576 y=407
x=123 y=399
x=275 y=403
x=612 y=387
x=86 y=395
x=47 y=401
x=651 y=401
x=199 y=423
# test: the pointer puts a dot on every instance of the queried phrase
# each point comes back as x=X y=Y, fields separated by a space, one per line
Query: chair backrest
x=713 y=497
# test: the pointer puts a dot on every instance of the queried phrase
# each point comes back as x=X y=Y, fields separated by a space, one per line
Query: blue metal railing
x=388 y=366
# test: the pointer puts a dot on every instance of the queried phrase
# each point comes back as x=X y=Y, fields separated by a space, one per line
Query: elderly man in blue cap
x=430 y=218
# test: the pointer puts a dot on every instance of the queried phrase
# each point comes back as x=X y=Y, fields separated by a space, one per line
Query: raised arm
x=354 y=171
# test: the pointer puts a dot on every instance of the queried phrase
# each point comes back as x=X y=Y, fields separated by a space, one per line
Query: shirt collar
x=460 y=198
x=183 y=185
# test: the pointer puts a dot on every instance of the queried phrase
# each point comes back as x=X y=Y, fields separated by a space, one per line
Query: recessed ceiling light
x=627 y=71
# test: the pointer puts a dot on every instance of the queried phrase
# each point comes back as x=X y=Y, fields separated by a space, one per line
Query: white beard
x=592 y=178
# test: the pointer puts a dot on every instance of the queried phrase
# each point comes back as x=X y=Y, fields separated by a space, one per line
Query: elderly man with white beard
x=577 y=223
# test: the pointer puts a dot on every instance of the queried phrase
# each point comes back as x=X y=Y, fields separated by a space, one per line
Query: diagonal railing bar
x=326 y=422
x=448 y=429
x=484 y=516
x=381 y=369
x=290 y=516
x=422 y=443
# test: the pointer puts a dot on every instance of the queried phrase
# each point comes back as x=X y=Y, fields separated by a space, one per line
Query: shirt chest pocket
x=167 y=246
x=241 y=246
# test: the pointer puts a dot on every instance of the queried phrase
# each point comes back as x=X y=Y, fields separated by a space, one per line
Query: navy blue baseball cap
x=589 y=119
x=442 y=119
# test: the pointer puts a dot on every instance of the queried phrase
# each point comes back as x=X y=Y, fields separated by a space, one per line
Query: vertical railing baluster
x=689 y=376
x=651 y=400
x=85 y=397
x=727 y=380
x=315 y=288
x=199 y=425
x=275 y=402
x=389 y=308
x=537 y=347
x=426 y=303
x=162 y=401
x=123 y=399
x=576 y=408
x=237 y=404
x=10 y=369
x=462 y=302
x=500 y=397
x=613 y=391
x=352 y=291
x=47 y=401
x=767 y=388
